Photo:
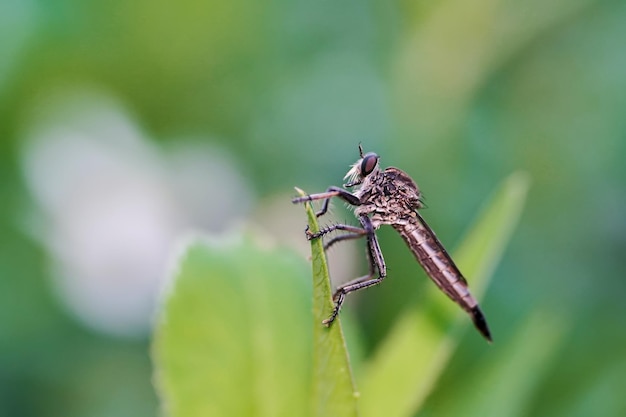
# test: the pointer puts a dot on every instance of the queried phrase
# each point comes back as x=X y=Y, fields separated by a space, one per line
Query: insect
x=391 y=197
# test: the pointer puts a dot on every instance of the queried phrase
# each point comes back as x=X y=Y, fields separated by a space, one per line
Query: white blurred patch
x=111 y=204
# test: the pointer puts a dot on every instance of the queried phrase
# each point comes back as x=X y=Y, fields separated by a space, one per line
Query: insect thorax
x=388 y=195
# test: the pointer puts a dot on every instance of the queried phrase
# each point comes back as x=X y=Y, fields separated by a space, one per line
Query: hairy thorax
x=388 y=197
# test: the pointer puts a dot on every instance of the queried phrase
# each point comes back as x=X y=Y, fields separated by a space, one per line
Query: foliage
x=234 y=338
x=238 y=101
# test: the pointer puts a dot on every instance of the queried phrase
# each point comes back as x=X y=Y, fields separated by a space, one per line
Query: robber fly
x=391 y=197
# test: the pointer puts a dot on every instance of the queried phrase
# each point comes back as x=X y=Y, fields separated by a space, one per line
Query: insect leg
x=341 y=238
x=353 y=233
x=376 y=262
x=326 y=196
x=359 y=232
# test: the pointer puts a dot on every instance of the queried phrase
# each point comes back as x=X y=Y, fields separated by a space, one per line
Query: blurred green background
x=125 y=125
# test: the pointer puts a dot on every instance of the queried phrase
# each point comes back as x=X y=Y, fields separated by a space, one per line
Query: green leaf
x=334 y=392
x=406 y=366
x=600 y=393
x=507 y=381
x=235 y=334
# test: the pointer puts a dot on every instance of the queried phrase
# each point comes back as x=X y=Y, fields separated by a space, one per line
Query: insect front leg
x=332 y=191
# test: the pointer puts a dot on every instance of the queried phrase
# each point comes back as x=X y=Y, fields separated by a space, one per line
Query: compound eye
x=370 y=160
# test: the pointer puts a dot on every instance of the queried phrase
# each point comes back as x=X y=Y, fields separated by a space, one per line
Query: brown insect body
x=391 y=197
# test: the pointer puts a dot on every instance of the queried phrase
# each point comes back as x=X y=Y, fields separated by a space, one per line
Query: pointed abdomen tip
x=481 y=323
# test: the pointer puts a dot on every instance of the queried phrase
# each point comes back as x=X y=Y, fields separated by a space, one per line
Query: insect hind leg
x=376 y=262
x=340 y=296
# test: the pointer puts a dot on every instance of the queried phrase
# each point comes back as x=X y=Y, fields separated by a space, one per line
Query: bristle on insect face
x=354 y=174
